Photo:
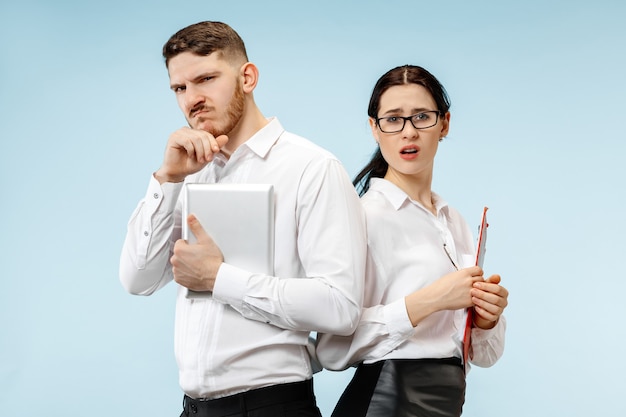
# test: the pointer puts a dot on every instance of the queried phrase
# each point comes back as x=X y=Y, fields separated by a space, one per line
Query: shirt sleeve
x=382 y=329
x=488 y=345
x=331 y=245
x=152 y=230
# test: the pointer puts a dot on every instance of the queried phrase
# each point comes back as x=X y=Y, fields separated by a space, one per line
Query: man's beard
x=232 y=115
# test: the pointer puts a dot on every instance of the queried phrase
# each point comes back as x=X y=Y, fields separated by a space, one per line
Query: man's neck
x=251 y=122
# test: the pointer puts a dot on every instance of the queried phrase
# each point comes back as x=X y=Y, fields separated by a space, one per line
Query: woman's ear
x=250 y=76
x=374 y=128
x=445 y=125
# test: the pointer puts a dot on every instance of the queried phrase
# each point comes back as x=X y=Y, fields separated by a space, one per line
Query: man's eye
x=179 y=89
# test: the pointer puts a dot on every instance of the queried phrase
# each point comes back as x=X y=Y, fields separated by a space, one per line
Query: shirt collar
x=398 y=198
x=262 y=141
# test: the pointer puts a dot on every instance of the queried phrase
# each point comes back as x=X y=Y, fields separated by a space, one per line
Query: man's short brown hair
x=205 y=38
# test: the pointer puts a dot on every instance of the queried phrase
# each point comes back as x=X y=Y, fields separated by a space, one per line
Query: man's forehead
x=188 y=63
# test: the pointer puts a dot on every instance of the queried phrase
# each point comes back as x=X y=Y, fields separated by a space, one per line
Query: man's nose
x=193 y=97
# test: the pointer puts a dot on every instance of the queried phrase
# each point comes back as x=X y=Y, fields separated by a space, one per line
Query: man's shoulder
x=299 y=145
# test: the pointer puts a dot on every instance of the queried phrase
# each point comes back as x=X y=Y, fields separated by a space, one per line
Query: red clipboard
x=482 y=239
x=480 y=257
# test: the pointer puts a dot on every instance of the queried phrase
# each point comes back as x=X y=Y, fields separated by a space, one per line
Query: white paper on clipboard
x=481 y=245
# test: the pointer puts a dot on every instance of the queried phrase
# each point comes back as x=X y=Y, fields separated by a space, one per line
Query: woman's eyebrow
x=412 y=111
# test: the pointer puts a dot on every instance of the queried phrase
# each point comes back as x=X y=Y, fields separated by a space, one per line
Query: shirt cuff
x=397 y=319
x=481 y=335
x=163 y=195
x=230 y=285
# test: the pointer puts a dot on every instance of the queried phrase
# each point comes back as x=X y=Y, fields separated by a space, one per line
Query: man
x=244 y=346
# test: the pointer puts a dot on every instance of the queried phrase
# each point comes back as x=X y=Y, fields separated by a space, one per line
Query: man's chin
x=206 y=126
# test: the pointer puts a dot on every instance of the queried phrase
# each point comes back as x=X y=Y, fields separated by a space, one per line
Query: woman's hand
x=450 y=292
x=490 y=299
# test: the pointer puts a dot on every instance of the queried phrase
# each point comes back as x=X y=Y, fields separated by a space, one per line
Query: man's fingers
x=199 y=144
x=221 y=140
x=214 y=145
x=197 y=229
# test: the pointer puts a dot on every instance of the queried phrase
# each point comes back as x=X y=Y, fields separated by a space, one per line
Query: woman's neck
x=417 y=187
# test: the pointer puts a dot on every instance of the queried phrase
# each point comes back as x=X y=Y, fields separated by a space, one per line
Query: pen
x=445 y=248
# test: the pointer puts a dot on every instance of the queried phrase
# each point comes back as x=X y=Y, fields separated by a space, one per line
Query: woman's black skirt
x=403 y=388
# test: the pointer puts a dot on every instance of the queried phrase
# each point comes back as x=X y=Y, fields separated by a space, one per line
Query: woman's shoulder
x=374 y=201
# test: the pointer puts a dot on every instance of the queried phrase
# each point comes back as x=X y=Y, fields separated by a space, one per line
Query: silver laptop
x=239 y=218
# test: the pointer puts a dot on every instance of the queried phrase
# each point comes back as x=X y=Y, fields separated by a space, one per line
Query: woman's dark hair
x=406 y=74
x=203 y=39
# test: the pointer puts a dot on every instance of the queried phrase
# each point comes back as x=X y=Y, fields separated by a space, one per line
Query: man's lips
x=195 y=112
x=198 y=112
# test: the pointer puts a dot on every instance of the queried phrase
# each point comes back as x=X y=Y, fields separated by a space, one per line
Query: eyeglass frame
x=409 y=118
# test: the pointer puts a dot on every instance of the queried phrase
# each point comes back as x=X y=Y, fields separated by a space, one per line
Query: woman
x=420 y=277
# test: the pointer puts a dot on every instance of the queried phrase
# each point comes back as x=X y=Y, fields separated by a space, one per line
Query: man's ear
x=250 y=77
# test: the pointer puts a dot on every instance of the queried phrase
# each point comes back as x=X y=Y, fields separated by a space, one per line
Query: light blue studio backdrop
x=538 y=102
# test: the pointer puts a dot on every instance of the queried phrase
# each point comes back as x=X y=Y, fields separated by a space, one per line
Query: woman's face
x=411 y=151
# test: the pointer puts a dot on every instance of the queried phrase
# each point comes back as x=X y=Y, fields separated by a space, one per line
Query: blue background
x=537 y=92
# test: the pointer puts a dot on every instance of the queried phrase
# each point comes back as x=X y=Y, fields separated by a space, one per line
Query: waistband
x=253 y=399
x=440 y=361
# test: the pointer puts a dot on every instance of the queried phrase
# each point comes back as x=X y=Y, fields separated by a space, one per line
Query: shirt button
x=156 y=196
x=146 y=234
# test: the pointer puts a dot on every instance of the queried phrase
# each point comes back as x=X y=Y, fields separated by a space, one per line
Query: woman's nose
x=409 y=131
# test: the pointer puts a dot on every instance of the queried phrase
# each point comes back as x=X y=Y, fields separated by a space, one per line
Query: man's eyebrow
x=196 y=78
